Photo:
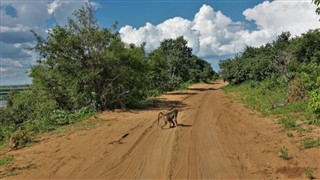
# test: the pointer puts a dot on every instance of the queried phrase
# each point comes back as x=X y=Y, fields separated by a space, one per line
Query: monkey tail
x=160 y=113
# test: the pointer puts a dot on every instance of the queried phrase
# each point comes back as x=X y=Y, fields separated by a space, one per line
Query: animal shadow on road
x=180 y=125
x=184 y=125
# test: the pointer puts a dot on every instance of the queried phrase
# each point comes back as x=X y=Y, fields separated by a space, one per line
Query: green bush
x=284 y=153
x=314 y=103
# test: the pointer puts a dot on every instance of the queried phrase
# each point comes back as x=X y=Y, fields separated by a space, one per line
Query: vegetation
x=84 y=68
x=317 y=2
x=309 y=174
x=284 y=153
x=5 y=161
x=309 y=142
x=289 y=134
x=282 y=77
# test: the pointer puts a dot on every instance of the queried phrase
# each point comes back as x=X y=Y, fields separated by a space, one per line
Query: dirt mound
x=215 y=138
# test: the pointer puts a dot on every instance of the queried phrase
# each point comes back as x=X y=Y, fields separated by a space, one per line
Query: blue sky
x=215 y=29
x=139 y=12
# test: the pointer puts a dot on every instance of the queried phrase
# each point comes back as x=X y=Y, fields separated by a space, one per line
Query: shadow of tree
x=213 y=83
x=203 y=89
x=159 y=104
x=181 y=93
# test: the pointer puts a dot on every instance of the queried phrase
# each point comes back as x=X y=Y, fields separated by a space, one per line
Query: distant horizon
x=15 y=85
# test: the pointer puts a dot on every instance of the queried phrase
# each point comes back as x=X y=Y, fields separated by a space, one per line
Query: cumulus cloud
x=61 y=10
x=15 y=35
x=214 y=35
x=278 y=16
x=171 y=28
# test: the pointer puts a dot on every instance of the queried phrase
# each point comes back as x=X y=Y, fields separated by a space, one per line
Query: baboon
x=170 y=117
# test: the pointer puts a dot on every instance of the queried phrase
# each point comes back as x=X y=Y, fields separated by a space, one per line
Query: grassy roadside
x=294 y=117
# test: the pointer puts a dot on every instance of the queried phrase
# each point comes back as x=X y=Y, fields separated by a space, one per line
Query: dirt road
x=216 y=138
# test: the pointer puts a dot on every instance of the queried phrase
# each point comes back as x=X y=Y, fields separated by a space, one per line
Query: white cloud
x=61 y=10
x=53 y=6
x=29 y=13
x=171 y=28
x=278 y=16
x=3 y=69
x=15 y=33
x=212 y=34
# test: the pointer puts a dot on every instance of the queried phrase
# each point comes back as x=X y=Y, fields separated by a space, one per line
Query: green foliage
x=288 y=122
x=309 y=174
x=286 y=72
x=172 y=65
x=60 y=117
x=284 y=153
x=309 y=142
x=256 y=63
x=74 y=66
x=290 y=134
x=314 y=103
x=5 y=161
x=262 y=95
x=185 y=85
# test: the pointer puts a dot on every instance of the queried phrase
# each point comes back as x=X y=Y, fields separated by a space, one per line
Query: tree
x=173 y=64
x=83 y=64
x=177 y=54
x=317 y=2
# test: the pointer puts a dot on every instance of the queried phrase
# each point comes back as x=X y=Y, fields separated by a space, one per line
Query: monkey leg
x=165 y=123
x=172 y=124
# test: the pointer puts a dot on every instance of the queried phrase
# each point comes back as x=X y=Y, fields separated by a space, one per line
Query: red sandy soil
x=216 y=138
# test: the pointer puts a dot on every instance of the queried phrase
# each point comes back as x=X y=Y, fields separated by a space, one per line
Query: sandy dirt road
x=216 y=139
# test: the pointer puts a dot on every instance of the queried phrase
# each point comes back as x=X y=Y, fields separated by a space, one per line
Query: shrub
x=289 y=134
x=314 y=103
x=284 y=154
x=309 y=174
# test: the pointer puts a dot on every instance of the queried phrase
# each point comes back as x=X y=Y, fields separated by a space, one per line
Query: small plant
x=290 y=134
x=309 y=142
x=6 y=161
x=287 y=122
x=284 y=154
x=309 y=174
